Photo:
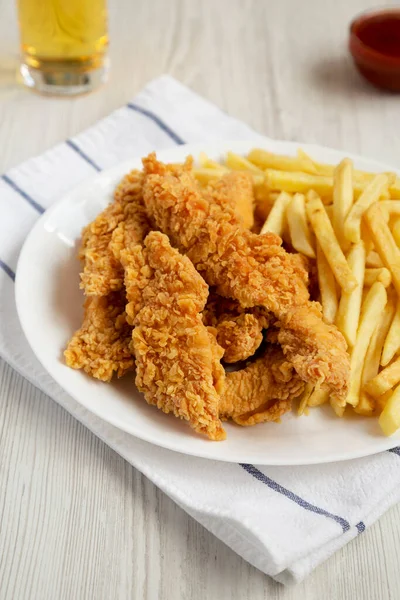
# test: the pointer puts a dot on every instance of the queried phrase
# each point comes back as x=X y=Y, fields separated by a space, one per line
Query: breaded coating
x=235 y=191
x=177 y=357
x=135 y=225
x=238 y=330
x=313 y=346
x=253 y=269
x=262 y=391
x=123 y=218
x=102 y=345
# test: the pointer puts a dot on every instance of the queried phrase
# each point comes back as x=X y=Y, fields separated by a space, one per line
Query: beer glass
x=63 y=45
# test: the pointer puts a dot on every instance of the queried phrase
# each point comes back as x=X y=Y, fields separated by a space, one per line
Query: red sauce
x=375 y=47
x=381 y=33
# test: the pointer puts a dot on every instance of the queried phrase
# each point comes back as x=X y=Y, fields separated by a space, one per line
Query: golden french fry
x=381 y=274
x=396 y=232
x=390 y=207
x=300 y=233
x=206 y=174
x=276 y=219
x=207 y=163
x=337 y=406
x=384 y=242
x=372 y=193
x=300 y=182
x=362 y=177
x=268 y=160
x=381 y=401
x=390 y=416
x=304 y=399
x=307 y=164
x=319 y=396
x=385 y=380
x=392 y=341
x=239 y=163
x=342 y=198
x=327 y=287
x=371 y=309
x=348 y=314
x=373 y=260
x=367 y=404
x=330 y=246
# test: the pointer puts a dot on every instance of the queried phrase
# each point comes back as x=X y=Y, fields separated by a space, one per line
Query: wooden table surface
x=76 y=521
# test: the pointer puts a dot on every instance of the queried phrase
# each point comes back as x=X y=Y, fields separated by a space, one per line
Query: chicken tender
x=102 y=271
x=253 y=269
x=262 y=391
x=101 y=346
x=177 y=357
x=235 y=190
x=238 y=330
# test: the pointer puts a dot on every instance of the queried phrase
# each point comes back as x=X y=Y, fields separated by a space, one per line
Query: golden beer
x=64 y=44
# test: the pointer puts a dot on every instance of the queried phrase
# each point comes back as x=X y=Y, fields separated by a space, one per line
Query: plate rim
x=165 y=154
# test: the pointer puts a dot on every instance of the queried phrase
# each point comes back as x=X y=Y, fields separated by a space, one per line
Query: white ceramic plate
x=49 y=306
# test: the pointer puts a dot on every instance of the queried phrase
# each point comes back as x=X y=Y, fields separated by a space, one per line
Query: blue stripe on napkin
x=7 y=270
x=273 y=485
x=395 y=450
x=85 y=157
x=174 y=136
x=23 y=194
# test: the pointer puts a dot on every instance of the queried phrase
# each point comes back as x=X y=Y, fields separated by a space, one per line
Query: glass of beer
x=63 y=45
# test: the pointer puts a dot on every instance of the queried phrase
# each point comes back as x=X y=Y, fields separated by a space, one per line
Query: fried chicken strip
x=234 y=190
x=238 y=330
x=101 y=346
x=102 y=271
x=262 y=391
x=177 y=357
x=253 y=269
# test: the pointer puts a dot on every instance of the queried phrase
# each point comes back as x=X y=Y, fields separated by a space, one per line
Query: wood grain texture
x=76 y=521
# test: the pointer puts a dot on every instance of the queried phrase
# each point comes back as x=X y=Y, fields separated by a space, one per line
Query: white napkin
x=283 y=520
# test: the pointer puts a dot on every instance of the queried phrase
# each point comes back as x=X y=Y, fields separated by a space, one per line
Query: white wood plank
x=76 y=521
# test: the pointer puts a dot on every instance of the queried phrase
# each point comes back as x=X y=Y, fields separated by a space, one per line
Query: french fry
x=392 y=342
x=296 y=181
x=239 y=163
x=327 y=287
x=362 y=177
x=348 y=314
x=268 y=160
x=300 y=233
x=384 y=242
x=337 y=406
x=390 y=207
x=307 y=164
x=342 y=198
x=396 y=232
x=276 y=219
x=367 y=405
x=372 y=193
x=381 y=401
x=381 y=274
x=330 y=246
x=390 y=416
x=319 y=396
x=206 y=174
x=385 y=380
x=208 y=163
x=308 y=390
x=373 y=260
x=371 y=309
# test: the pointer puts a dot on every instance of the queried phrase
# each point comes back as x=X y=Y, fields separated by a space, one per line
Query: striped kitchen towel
x=283 y=520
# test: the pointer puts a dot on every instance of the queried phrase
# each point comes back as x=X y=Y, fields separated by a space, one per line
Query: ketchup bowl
x=375 y=47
